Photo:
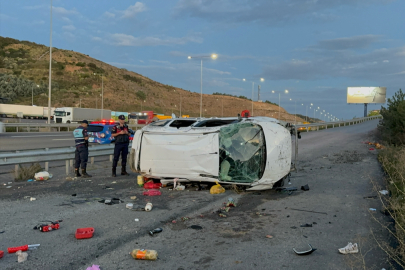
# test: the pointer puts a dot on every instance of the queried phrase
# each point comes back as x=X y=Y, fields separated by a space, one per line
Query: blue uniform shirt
x=80 y=133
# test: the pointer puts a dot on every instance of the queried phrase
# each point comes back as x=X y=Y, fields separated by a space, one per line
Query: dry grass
x=393 y=161
x=25 y=173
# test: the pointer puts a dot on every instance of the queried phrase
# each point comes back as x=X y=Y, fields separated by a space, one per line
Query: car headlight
x=102 y=135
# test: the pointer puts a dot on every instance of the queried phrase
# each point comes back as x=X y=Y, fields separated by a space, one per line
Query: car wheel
x=68 y=122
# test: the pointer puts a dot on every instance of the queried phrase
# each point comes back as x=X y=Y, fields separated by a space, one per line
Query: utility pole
x=50 y=71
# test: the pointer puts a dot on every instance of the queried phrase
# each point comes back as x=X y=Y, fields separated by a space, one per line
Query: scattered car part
x=196 y=227
x=157 y=230
x=306 y=252
x=306 y=225
x=305 y=187
x=307 y=211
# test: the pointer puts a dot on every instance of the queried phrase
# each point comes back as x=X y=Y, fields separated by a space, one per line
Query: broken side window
x=242 y=153
x=182 y=123
x=160 y=123
x=215 y=122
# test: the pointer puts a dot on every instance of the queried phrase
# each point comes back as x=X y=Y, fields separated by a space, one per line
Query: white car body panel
x=192 y=153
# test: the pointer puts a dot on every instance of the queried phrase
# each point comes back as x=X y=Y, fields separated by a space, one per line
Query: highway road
x=11 y=141
x=339 y=169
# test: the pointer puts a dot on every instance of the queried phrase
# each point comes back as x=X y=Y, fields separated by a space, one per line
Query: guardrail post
x=71 y=163
x=16 y=167
x=17 y=128
x=67 y=167
x=58 y=128
x=92 y=160
x=333 y=125
x=111 y=158
x=326 y=126
x=28 y=129
x=47 y=163
x=317 y=128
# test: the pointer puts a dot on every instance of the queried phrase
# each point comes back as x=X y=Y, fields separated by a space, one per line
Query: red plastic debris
x=152 y=192
x=1 y=254
x=83 y=233
x=152 y=185
x=371 y=149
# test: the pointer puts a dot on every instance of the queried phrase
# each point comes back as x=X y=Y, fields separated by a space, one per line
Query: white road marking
x=38 y=136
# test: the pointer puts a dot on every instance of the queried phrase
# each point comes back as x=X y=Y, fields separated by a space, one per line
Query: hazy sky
x=313 y=48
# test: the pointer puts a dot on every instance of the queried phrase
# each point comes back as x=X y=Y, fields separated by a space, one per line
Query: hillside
x=24 y=66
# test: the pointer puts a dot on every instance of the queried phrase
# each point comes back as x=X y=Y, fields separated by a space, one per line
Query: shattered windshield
x=242 y=153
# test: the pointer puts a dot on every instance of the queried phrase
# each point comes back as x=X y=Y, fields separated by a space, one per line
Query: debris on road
x=140 y=180
x=269 y=236
x=307 y=211
x=84 y=233
x=30 y=180
x=306 y=225
x=222 y=215
x=184 y=218
x=137 y=219
x=148 y=207
x=144 y=254
x=384 y=192
x=129 y=205
x=372 y=209
x=180 y=187
x=40 y=176
x=111 y=201
x=230 y=203
x=305 y=252
x=22 y=256
x=22 y=248
x=196 y=227
x=133 y=198
x=157 y=230
x=290 y=190
x=93 y=267
x=151 y=185
x=1 y=254
x=305 y=187
x=217 y=189
x=371 y=149
x=152 y=192
x=53 y=225
x=350 y=248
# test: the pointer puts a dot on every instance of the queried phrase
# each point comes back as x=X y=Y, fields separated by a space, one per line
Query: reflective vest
x=79 y=135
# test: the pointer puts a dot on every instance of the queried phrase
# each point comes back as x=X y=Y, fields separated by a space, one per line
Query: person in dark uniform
x=121 y=133
x=82 y=149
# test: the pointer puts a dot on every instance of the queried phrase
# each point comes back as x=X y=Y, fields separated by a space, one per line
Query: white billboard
x=366 y=94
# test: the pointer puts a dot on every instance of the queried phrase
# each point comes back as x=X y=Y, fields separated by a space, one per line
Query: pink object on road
x=94 y=267
x=152 y=192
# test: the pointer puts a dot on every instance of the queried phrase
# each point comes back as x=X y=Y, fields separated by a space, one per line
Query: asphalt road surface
x=339 y=169
x=11 y=141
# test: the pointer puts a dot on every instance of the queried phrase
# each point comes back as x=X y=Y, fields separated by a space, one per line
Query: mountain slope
x=77 y=78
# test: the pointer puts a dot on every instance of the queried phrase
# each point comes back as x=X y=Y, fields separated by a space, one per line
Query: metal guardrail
x=317 y=126
x=51 y=127
x=53 y=154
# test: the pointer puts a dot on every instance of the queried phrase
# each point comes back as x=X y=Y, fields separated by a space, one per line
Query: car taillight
x=102 y=135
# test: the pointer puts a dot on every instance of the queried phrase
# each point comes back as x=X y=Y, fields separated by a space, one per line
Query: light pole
x=32 y=92
x=212 y=56
x=279 y=100
x=180 y=102
x=80 y=102
x=50 y=71
x=144 y=102
x=253 y=86
x=102 y=95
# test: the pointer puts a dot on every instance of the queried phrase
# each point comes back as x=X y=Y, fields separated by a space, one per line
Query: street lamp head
x=318 y=108
x=302 y=104
x=290 y=99
x=262 y=79
x=189 y=57
x=214 y=56
x=272 y=91
x=286 y=91
x=244 y=80
x=312 y=104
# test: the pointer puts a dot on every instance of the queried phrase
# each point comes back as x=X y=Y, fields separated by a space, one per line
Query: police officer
x=121 y=133
x=82 y=149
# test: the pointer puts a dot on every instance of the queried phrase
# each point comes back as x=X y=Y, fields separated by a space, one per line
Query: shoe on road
x=349 y=249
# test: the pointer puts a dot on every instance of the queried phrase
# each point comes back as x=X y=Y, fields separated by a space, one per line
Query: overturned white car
x=245 y=151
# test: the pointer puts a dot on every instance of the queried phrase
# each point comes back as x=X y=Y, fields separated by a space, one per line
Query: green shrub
x=81 y=64
x=392 y=126
x=141 y=95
